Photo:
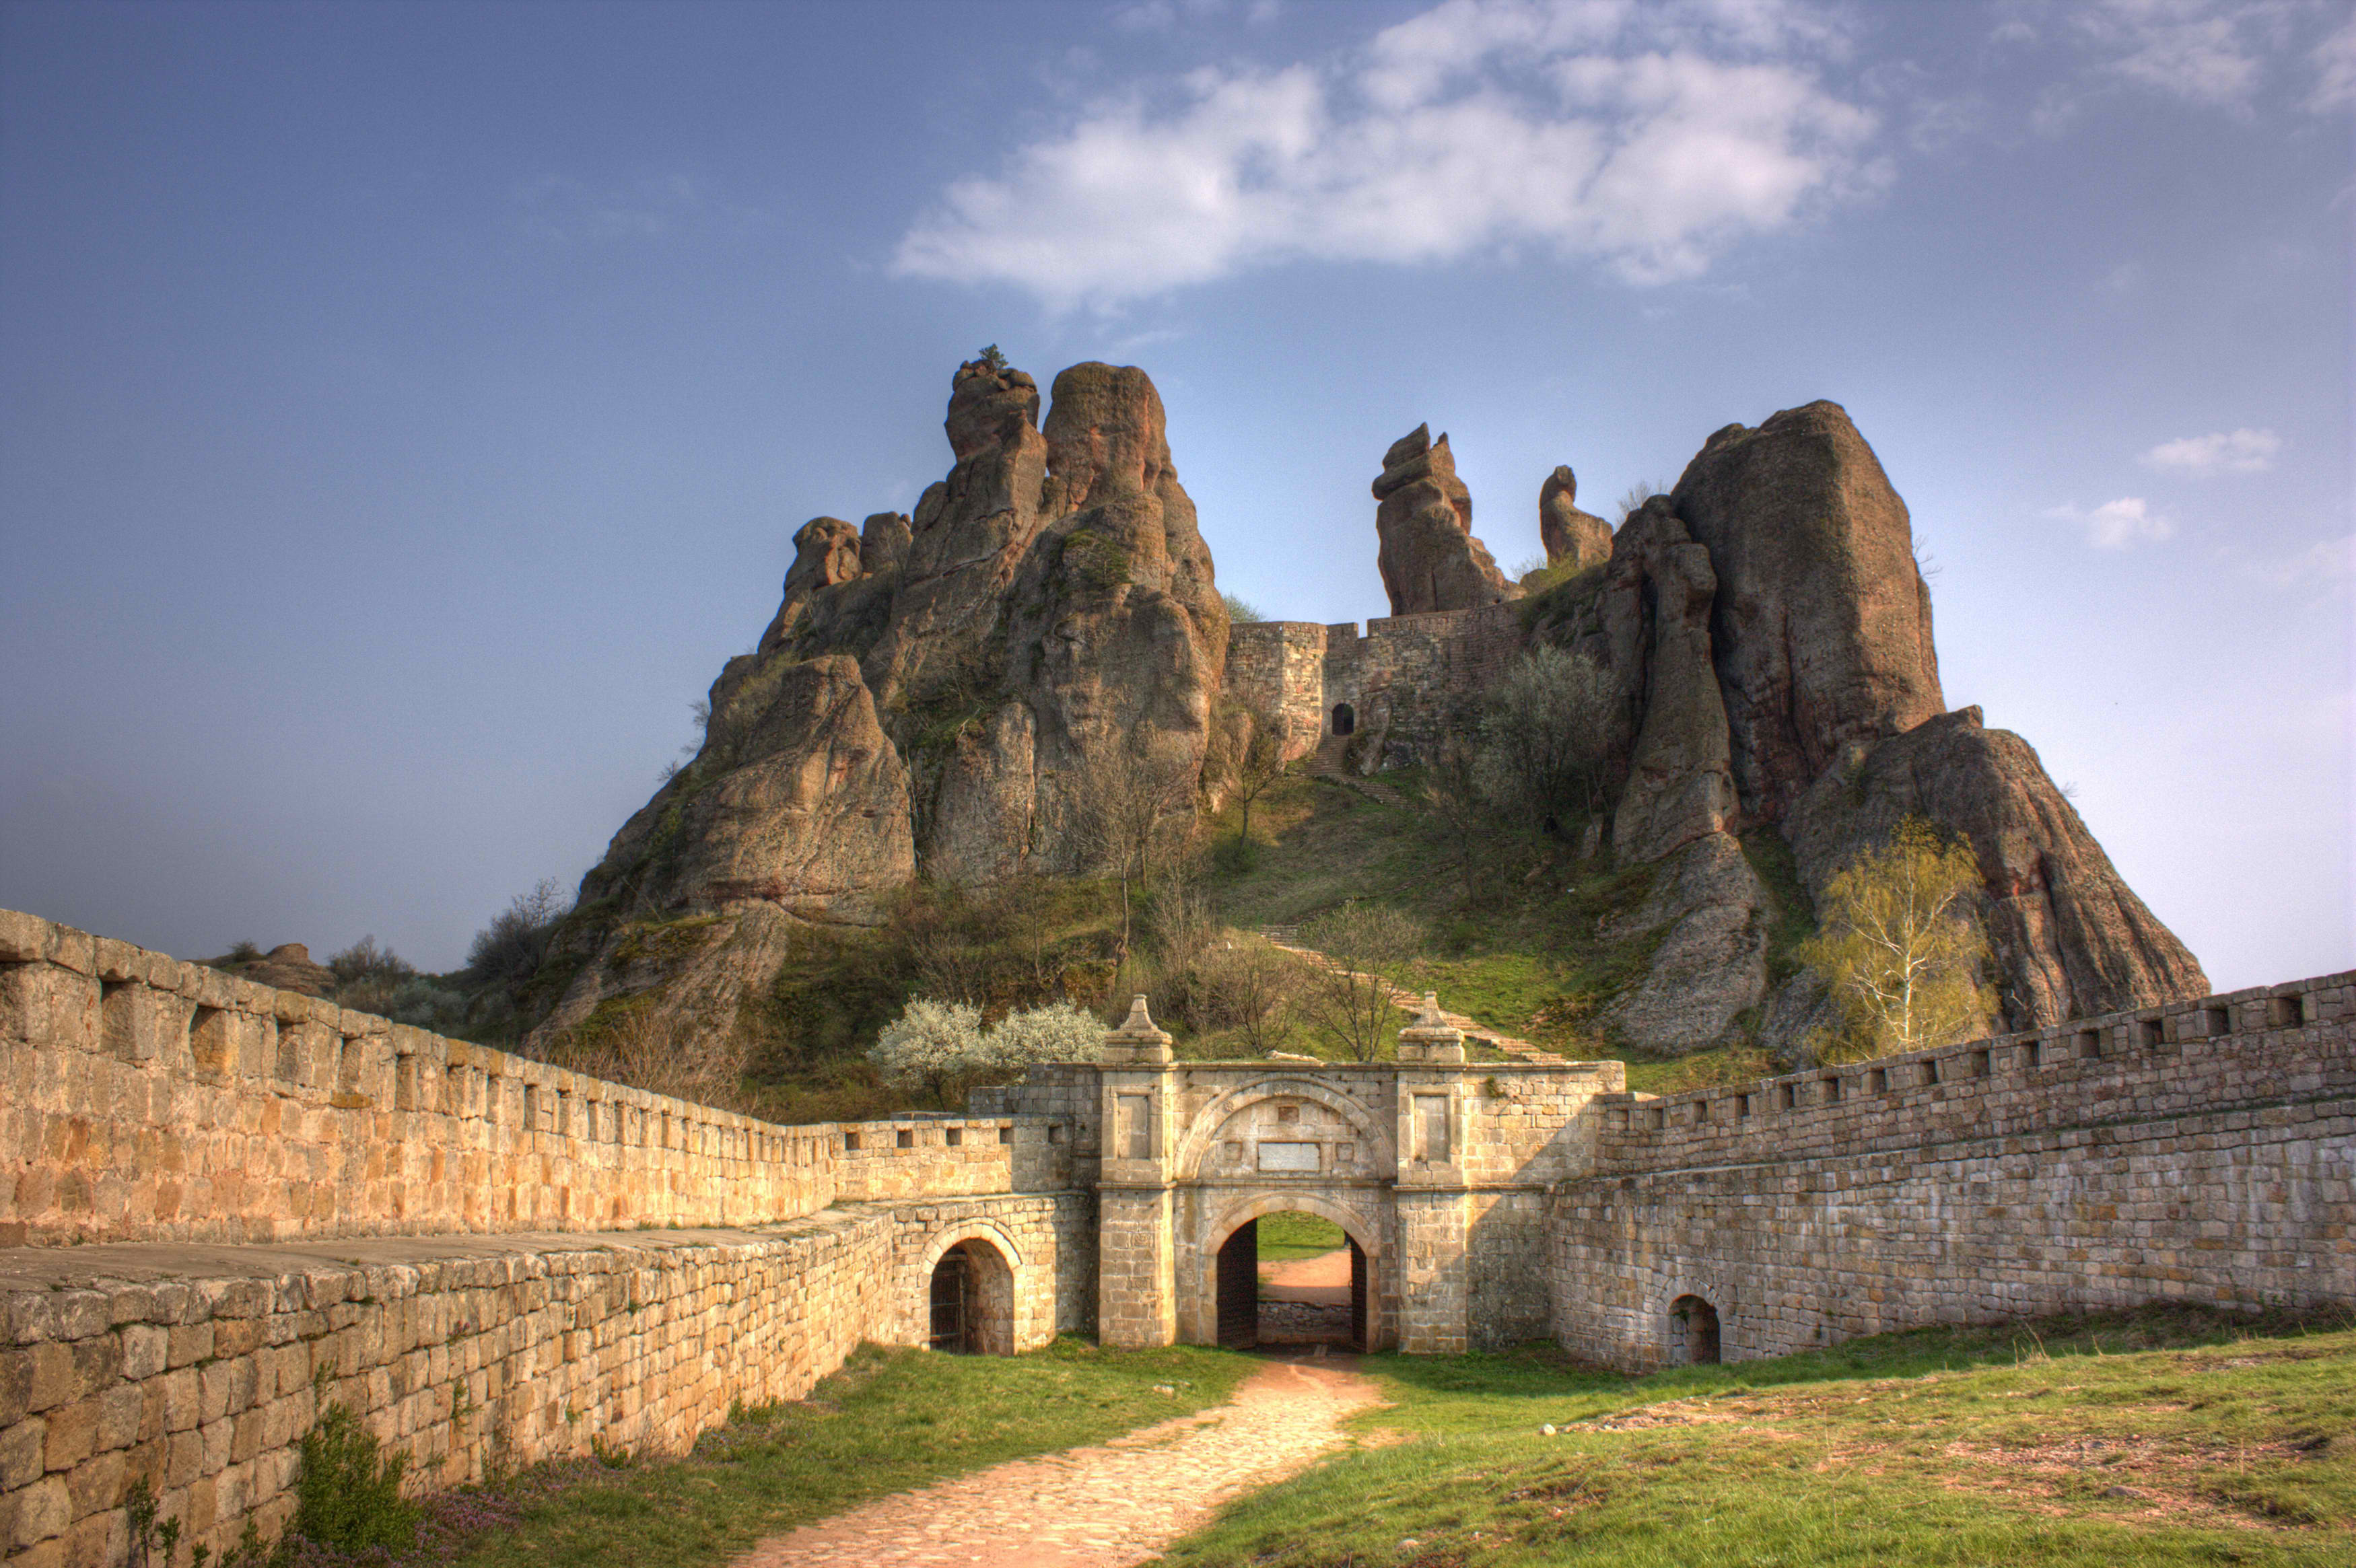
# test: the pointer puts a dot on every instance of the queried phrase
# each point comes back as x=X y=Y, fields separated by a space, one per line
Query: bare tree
x=1544 y=737
x=1257 y=766
x=1261 y=983
x=1125 y=809
x=1460 y=813
x=1348 y=1000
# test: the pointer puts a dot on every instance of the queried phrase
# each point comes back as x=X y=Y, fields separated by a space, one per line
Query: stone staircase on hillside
x=1327 y=763
x=1288 y=937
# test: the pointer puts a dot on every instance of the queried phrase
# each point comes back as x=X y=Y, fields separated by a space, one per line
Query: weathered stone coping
x=2263 y=1045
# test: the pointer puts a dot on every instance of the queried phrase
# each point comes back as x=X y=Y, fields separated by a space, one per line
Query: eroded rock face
x=1430 y=560
x=1656 y=607
x=2070 y=938
x=795 y=811
x=1572 y=537
x=1712 y=961
x=1769 y=638
x=1822 y=626
x=928 y=696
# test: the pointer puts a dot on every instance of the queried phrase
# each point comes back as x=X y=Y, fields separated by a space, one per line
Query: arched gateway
x=1436 y=1171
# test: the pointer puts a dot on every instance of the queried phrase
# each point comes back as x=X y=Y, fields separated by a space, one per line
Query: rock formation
x=1430 y=560
x=930 y=695
x=1573 y=538
x=2070 y=938
x=1770 y=637
x=1822 y=625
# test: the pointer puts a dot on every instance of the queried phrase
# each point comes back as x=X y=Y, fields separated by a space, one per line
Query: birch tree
x=1900 y=944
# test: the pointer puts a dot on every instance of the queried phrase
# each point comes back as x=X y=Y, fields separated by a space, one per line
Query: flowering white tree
x=935 y=1043
x=1057 y=1032
x=928 y=1043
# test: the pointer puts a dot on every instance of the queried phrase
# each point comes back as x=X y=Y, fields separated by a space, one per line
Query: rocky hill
x=928 y=700
x=937 y=690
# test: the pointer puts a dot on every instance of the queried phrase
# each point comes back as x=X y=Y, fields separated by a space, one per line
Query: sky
x=405 y=409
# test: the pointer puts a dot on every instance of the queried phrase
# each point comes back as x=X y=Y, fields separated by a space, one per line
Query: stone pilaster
x=1432 y=1131
x=1137 y=1296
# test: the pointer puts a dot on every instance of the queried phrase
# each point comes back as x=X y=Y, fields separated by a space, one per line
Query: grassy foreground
x=889 y=1420
x=2152 y=1437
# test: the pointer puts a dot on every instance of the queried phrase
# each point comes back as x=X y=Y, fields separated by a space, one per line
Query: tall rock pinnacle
x=1430 y=560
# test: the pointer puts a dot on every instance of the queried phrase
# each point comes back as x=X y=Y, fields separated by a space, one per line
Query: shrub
x=929 y=1043
x=347 y=1494
x=1057 y=1032
x=1242 y=612
x=420 y=1002
x=940 y=1043
x=508 y=951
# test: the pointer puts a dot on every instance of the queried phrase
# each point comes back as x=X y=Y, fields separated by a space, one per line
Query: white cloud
x=2117 y=525
x=2209 y=52
x=1649 y=138
x=2335 y=66
x=2222 y=452
x=2327 y=563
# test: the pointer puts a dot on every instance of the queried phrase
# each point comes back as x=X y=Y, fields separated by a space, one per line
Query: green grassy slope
x=2152 y=1437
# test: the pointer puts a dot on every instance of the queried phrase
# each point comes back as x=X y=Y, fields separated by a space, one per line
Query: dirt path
x=1097 y=1508
x=1323 y=1280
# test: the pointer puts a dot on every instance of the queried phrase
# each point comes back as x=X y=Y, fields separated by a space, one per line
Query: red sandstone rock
x=1822 y=627
x=1573 y=538
x=1430 y=560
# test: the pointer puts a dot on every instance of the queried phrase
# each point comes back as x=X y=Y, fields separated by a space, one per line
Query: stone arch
x=1362 y=1231
x=1345 y=719
x=1358 y=1227
x=1203 y=1130
x=1683 y=1327
x=1004 y=1282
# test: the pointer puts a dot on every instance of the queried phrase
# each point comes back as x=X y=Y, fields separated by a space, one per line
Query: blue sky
x=405 y=410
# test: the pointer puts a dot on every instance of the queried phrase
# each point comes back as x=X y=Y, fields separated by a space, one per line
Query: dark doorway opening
x=1693 y=1330
x=1311 y=1287
x=1345 y=719
x=972 y=1302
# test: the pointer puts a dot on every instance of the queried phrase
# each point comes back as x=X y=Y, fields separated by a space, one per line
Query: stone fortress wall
x=293 y=1205
x=148 y=1099
x=1403 y=681
x=496 y=1263
x=2199 y=1152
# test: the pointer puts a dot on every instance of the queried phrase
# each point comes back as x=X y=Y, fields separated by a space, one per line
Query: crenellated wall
x=285 y=1202
x=1406 y=681
x=147 y=1099
x=2205 y=1151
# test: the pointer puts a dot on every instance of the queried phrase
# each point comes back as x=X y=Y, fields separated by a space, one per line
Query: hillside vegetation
x=2167 y=1435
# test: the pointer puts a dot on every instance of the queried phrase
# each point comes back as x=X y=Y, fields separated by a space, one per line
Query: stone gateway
x=222 y=1206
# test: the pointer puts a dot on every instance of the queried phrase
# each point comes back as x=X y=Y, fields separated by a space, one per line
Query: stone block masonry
x=147 y=1099
x=441 y=1285
x=1403 y=682
x=198 y=1368
x=2205 y=1152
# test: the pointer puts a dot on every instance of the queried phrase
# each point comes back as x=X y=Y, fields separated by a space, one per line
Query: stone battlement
x=1400 y=685
x=147 y=1099
x=2263 y=1046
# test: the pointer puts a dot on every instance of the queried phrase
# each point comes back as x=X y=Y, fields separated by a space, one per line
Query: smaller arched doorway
x=1345 y=719
x=1291 y=1278
x=973 y=1301
x=1692 y=1331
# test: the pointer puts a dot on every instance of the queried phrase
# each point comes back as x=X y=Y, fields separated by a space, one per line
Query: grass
x=889 y=1420
x=1529 y=951
x=2159 y=1436
x=1286 y=1236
